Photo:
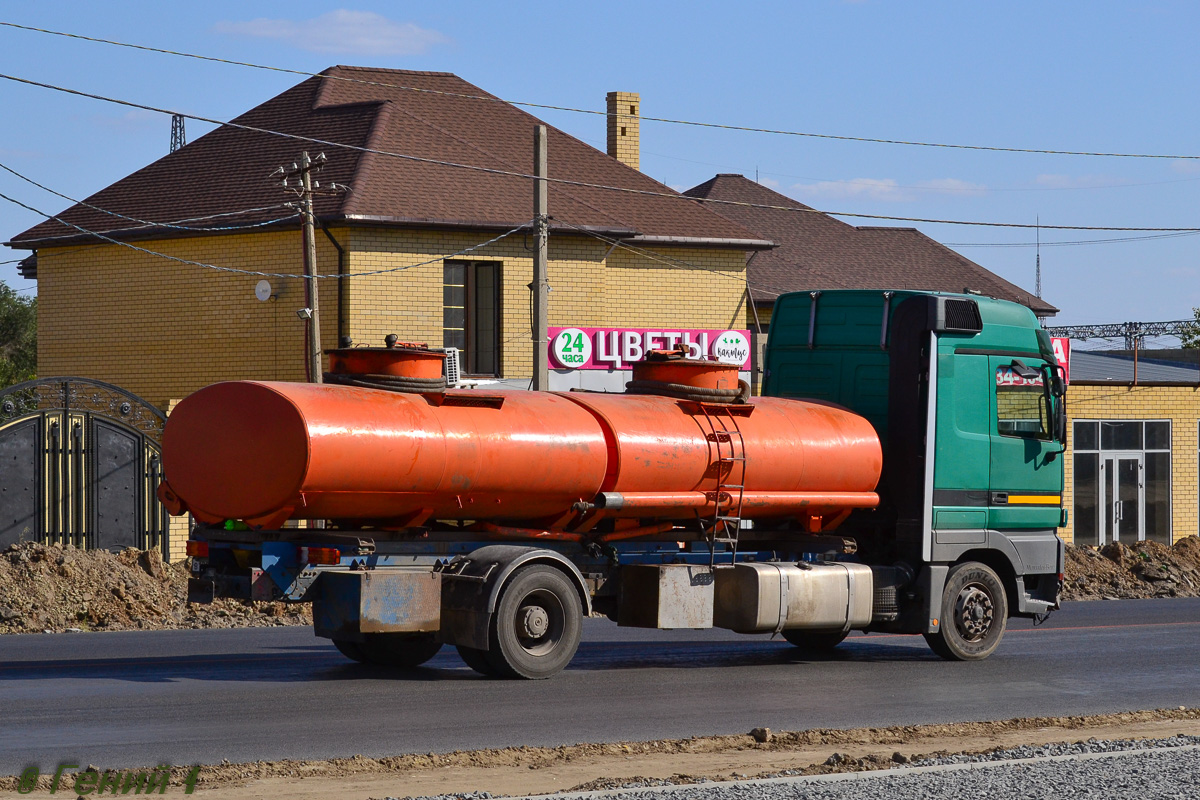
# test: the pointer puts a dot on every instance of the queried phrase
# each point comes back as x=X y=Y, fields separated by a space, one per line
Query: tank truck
x=902 y=472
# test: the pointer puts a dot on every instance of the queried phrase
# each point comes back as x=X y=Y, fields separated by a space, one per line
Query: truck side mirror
x=1024 y=371
x=1056 y=402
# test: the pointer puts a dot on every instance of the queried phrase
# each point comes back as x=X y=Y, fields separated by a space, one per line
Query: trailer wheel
x=537 y=624
x=814 y=641
x=351 y=650
x=400 y=650
x=974 y=614
x=477 y=660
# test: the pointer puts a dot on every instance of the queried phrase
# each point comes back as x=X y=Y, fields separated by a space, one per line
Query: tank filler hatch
x=395 y=367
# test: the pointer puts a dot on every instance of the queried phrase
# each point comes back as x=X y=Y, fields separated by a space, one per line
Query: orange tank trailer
x=268 y=452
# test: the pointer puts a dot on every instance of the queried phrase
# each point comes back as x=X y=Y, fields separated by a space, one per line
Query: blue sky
x=1095 y=76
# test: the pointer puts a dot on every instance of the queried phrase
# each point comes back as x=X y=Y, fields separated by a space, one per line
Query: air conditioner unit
x=452 y=366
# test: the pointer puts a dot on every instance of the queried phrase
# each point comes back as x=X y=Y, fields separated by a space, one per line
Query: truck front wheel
x=537 y=624
x=974 y=614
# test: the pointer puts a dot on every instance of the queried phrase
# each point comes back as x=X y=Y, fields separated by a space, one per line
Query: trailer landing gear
x=974 y=614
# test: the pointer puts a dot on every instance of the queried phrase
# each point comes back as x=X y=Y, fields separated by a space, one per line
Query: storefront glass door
x=1123 y=498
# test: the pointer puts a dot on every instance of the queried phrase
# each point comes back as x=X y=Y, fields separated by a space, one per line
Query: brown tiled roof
x=816 y=251
x=228 y=169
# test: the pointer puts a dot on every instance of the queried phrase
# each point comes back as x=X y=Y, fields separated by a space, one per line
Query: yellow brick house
x=434 y=168
x=1132 y=450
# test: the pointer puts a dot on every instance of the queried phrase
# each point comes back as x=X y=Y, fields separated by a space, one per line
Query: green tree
x=1191 y=337
x=18 y=337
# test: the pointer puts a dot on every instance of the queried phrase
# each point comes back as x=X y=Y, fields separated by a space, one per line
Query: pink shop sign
x=617 y=348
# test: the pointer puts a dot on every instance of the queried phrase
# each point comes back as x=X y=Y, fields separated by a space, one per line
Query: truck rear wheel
x=477 y=660
x=537 y=624
x=351 y=650
x=396 y=650
x=814 y=641
x=400 y=650
x=974 y=614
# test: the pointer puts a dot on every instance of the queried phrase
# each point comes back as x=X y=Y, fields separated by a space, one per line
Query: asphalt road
x=183 y=697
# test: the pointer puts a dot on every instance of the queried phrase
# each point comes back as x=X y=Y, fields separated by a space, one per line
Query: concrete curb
x=892 y=772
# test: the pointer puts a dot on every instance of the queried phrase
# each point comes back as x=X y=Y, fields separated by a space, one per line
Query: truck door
x=1026 y=479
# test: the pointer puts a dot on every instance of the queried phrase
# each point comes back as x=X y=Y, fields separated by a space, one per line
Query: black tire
x=538 y=621
x=400 y=650
x=477 y=660
x=395 y=650
x=351 y=650
x=814 y=641
x=974 y=614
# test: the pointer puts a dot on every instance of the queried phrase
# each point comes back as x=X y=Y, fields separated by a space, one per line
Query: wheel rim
x=974 y=612
x=540 y=622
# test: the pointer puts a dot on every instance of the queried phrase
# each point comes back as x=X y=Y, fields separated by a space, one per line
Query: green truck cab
x=969 y=404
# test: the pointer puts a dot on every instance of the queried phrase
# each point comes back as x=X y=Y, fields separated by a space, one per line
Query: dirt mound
x=1145 y=569
x=53 y=588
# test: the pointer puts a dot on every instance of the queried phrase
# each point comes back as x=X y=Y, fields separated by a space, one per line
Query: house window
x=1122 y=481
x=471 y=314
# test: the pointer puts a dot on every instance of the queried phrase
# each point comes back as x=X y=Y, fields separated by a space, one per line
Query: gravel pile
x=56 y=589
x=1153 y=773
x=1143 y=570
x=1158 y=770
x=1062 y=749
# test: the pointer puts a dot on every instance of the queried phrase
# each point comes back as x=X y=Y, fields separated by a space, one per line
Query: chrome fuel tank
x=760 y=596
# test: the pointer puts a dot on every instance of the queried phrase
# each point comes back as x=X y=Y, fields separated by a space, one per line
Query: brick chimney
x=623 y=128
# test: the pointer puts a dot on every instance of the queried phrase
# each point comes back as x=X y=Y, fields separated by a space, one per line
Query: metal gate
x=79 y=463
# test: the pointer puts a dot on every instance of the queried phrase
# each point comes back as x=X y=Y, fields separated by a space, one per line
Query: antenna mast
x=1037 y=286
x=178 y=137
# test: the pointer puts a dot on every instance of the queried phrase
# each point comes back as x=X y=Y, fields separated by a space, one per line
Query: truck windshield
x=1020 y=405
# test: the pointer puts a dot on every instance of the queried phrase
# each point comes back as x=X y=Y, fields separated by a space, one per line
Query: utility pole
x=305 y=188
x=540 y=285
x=310 y=271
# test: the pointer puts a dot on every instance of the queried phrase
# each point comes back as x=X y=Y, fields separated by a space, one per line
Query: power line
x=599 y=144
x=671 y=262
x=584 y=184
x=171 y=225
x=676 y=263
x=1074 y=243
x=713 y=125
x=257 y=273
x=667 y=260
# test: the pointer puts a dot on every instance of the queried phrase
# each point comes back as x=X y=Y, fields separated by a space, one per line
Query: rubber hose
x=391 y=383
x=697 y=394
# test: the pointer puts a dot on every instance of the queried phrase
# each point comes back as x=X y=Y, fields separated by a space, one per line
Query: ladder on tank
x=728 y=449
